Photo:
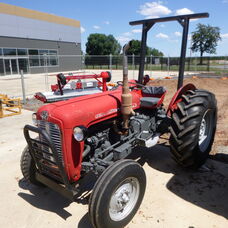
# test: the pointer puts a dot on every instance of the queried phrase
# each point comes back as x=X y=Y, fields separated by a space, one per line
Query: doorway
x=11 y=66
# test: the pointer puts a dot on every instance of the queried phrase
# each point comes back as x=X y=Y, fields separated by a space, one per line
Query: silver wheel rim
x=205 y=131
x=124 y=199
x=202 y=131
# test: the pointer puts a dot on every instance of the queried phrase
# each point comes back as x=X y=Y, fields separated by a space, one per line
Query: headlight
x=34 y=119
x=79 y=133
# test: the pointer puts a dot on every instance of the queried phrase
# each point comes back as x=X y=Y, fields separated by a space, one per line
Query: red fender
x=177 y=97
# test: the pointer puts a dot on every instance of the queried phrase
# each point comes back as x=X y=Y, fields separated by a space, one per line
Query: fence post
x=83 y=61
x=189 y=59
x=168 y=65
x=110 y=63
x=195 y=63
x=161 y=63
x=208 y=64
x=46 y=72
x=151 y=65
x=133 y=65
x=23 y=87
x=226 y=64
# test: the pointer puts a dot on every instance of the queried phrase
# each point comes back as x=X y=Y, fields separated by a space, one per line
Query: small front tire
x=117 y=195
x=28 y=167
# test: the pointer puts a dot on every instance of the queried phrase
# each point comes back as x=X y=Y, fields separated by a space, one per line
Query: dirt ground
x=174 y=198
x=217 y=86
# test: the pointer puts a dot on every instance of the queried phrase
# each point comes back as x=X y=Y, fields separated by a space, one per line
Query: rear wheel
x=28 y=167
x=193 y=128
x=117 y=195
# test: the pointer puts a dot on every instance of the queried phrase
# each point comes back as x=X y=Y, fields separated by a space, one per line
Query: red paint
x=41 y=97
x=177 y=97
x=78 y=85
x=86 y=110
x=103 y=75
x=54 y=87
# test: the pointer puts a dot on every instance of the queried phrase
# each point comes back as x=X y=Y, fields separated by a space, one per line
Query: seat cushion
x=155 y=90
x=148 y=102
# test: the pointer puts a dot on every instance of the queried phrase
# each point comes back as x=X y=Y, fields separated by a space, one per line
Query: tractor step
x=147 y=139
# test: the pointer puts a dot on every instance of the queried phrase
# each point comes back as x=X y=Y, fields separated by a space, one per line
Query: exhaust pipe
x=126 y=97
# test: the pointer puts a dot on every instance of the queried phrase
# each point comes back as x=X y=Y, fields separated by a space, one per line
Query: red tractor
x=96 y=133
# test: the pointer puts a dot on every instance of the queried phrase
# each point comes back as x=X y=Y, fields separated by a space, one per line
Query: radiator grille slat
x=55 y=135
x=44 y=152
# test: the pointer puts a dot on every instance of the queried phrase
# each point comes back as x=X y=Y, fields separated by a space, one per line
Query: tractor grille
x=44 y=154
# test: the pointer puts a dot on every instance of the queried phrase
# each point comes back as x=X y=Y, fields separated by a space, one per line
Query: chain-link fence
x=40 y=71
x=156 y=63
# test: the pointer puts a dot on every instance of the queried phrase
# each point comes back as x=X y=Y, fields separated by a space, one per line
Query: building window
x=0 y=51
x=34 y=60
x=9 y=51
x=23 y=64
x=53 y=58
x=33 y=52
x=52 y=52
x=44 y=60
x=21 y=51
x=1 y=67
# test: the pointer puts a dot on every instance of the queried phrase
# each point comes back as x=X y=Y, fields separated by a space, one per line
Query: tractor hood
x=86 y=110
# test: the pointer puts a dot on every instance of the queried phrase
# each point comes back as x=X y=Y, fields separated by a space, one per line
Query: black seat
x=148 y=102
x=153 y=90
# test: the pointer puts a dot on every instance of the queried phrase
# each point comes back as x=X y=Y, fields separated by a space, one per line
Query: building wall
x=25 y=23
x=30 y=29
x=66 y=52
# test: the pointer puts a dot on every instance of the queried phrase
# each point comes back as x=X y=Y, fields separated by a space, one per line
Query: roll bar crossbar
x=148 y=24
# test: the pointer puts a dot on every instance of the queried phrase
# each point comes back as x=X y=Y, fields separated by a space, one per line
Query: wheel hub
x=124 y=199
x=202 y=131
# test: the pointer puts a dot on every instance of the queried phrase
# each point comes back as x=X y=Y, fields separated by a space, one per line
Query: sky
x=113 y=17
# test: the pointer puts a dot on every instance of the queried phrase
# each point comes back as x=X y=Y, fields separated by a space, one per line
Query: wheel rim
x=124 y=199
x=205 y=131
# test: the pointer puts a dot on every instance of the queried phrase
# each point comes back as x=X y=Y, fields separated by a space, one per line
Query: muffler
x=126 y=97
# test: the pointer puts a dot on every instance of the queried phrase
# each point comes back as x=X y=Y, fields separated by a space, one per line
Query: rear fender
x=177 y=97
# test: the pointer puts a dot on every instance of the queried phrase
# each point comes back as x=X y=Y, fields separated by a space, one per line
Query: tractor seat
x=148 y=102
x=153 y=90
x=151 y=96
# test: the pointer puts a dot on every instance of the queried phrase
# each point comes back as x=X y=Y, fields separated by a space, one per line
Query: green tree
x=100 y=44
x=136 y=47
x=154 y=52
x=205 y=40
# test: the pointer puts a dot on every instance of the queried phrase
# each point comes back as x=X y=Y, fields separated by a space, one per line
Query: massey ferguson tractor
x=96 y=134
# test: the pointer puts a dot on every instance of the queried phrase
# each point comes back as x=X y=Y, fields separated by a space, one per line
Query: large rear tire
x=28 y=167
x=193 y=128
x=117 y=195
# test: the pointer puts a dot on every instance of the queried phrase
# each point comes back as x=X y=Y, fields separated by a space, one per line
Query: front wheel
x=193 y=128
x=117 y=195
x=28 y=167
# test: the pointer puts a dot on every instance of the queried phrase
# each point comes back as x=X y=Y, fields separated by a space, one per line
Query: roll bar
x=148 y=24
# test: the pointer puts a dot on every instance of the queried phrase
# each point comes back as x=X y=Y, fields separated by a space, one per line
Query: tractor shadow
x=46 y=199
x=206 y=187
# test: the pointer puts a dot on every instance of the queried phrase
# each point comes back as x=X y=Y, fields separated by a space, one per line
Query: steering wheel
x=120 y=83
